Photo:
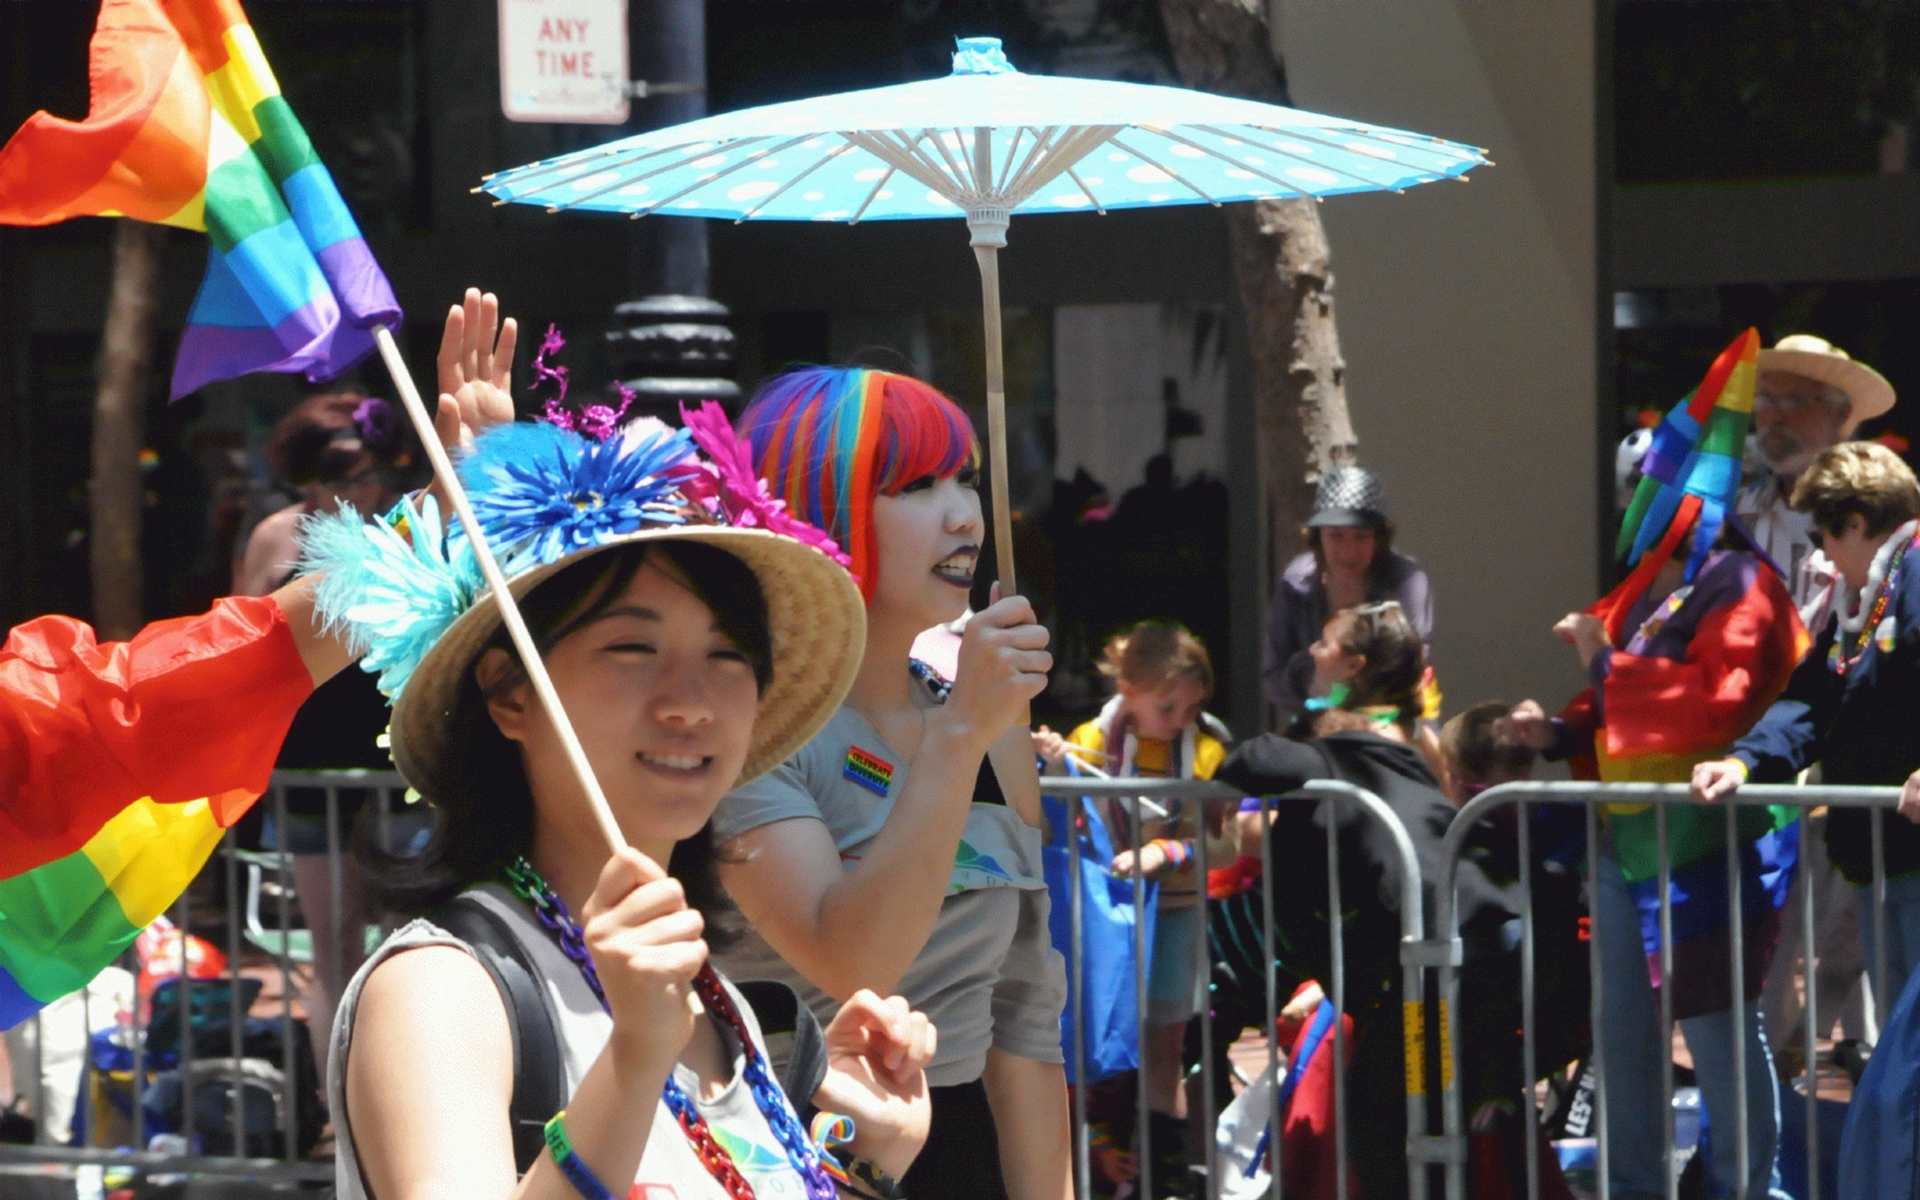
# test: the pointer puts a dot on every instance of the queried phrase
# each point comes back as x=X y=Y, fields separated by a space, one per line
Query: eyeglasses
x=1378 y=608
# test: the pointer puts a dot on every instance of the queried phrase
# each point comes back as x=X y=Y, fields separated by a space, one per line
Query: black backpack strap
x=538 y=1089
x=778 y=1009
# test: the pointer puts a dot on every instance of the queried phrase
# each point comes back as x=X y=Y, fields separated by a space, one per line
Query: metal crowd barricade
x=1415 y=955
x=242 y=924
x=1593 y=795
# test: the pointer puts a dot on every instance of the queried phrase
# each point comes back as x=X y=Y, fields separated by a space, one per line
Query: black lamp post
x=671 y=350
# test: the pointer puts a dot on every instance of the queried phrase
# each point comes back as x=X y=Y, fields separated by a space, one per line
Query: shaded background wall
x=1469 y=313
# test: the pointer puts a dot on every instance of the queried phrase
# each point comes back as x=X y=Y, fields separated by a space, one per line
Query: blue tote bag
x=1107 y=1000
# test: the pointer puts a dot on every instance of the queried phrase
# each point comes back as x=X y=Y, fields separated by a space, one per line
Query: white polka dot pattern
x=1055 y=144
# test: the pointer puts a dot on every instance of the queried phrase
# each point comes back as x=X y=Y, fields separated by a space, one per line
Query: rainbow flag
x=187 y=127
x=1691 y=470
x=121 y=765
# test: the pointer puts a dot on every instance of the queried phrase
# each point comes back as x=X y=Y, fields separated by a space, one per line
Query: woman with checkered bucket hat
x=1349 y=561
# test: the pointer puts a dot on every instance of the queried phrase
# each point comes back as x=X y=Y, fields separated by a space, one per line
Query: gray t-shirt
x=584 y=1028
x=988 y=975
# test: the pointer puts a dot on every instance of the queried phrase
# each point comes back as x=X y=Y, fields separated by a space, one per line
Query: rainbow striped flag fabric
x=1696 y=451
x=187 y=127
x=121 y=766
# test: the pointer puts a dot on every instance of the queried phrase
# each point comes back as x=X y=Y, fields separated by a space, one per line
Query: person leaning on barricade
x=1684 y=655
x=1364 y=736
x=1853 y=706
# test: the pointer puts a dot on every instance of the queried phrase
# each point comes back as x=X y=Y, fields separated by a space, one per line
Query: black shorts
x=961 y=1160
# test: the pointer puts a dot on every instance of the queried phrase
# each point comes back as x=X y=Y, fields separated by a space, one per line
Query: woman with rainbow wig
x=900 y=848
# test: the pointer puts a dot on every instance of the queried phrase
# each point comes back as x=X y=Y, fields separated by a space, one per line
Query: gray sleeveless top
x=583 y=1028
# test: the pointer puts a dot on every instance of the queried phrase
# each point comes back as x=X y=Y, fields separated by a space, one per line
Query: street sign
x=564 y=61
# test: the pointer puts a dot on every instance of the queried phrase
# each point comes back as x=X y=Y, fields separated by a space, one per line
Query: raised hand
x=877 y=1053
x=476 y=369
x=647 y=946
x=1586 y=632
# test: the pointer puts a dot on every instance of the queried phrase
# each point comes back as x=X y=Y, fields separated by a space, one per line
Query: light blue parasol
x=982 y=144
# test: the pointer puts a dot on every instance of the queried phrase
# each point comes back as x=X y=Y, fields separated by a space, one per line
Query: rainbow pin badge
x=870 y=771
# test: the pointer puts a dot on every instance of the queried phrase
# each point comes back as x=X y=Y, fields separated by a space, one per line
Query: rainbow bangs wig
x=829 y=439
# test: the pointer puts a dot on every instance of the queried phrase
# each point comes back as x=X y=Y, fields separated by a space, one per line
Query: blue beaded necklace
x=802 y=1154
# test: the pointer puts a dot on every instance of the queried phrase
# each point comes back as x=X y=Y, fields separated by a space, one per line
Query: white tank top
x=669 y=1165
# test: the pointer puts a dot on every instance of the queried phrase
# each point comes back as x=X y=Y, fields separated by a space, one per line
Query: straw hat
x=814 y=614
x=1817 y=358
x=408 y=591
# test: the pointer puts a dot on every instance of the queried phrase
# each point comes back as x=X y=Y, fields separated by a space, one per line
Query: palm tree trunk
x=1282 y=265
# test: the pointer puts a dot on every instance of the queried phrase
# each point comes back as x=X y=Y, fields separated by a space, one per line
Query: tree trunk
x=119 y=412
x=1281 y=264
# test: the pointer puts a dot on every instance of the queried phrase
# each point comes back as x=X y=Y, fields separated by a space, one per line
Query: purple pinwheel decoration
x=597 y=421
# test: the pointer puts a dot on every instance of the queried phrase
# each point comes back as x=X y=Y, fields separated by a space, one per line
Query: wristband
x=583 y=1180
x=832 y=1133
x=1175 y=850
x=866 y=1180
x=1745 y=771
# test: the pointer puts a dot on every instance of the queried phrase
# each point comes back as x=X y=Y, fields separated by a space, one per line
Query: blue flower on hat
x=542 y=493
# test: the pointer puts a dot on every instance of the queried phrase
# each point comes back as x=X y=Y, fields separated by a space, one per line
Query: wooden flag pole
x=497 y=581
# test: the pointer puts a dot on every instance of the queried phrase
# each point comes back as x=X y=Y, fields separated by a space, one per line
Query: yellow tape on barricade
x=1414 y=1027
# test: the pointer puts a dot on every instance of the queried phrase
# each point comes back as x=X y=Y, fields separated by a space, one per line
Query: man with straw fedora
x=1811 y=394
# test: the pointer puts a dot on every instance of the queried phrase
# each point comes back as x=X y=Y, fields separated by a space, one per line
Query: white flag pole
x=509 y=611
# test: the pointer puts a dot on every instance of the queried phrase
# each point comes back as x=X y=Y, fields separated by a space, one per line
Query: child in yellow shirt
x=1156 y=726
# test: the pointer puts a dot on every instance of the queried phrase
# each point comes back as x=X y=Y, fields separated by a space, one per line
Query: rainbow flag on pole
x=187 y=127
x=121 y=766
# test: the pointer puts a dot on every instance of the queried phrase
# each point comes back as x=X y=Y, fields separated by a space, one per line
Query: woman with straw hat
x=695 y=636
